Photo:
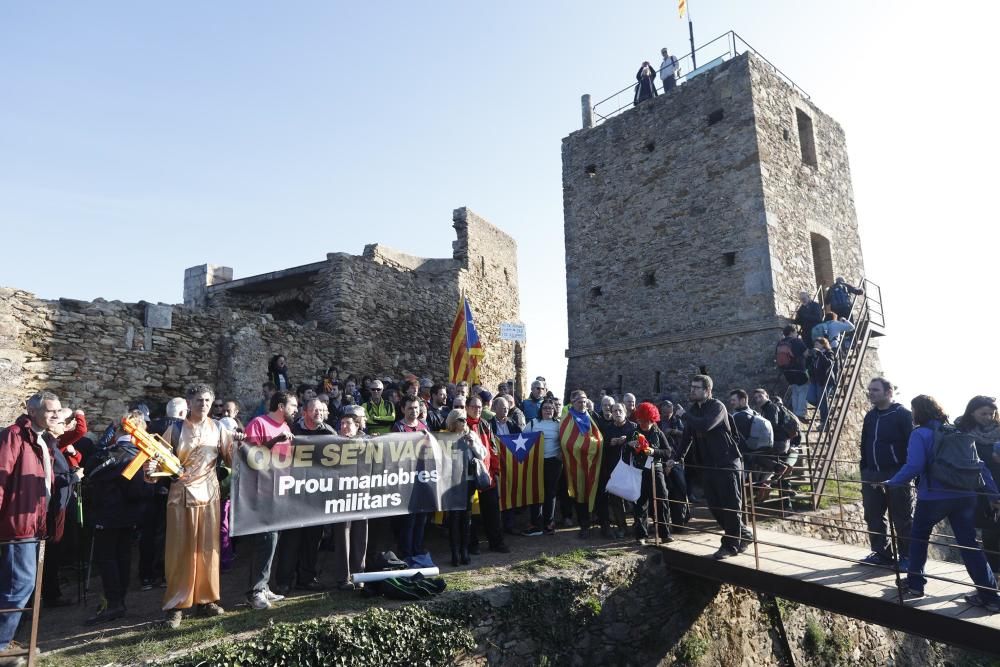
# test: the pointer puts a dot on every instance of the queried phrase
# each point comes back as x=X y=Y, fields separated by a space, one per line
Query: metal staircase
x=819 y=442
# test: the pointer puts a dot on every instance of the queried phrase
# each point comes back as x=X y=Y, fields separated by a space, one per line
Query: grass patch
x=460 y=581
x=563 y=561
x=149 y=641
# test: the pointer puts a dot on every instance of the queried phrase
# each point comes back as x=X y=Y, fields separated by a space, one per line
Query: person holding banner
x=191 y=562
x=544 y=516
x=269 y=430
x=489 y=498
x=460 y=521
x=582 y=446
x=410 y=527
x=350 y=538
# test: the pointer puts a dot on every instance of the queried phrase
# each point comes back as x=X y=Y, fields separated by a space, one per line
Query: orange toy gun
x=151 y=446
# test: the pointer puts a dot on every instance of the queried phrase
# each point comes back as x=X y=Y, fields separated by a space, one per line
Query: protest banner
x=325 y=479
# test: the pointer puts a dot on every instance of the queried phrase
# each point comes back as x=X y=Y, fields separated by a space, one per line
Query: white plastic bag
x=625 y=481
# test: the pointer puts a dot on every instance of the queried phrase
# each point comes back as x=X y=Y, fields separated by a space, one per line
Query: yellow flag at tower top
x=682 y=6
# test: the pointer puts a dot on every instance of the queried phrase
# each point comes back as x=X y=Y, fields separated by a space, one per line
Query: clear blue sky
x=142 y=138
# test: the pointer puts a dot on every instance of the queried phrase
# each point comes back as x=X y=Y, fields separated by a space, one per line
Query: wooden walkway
x=814 y=572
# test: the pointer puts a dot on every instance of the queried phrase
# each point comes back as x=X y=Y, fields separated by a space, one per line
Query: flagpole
x=694 y=62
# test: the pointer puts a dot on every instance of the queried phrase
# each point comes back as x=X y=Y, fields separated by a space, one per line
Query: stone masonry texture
x=690 y=222
x=384 y=313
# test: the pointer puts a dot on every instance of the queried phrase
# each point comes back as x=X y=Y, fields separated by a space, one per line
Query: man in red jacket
x=26 y=481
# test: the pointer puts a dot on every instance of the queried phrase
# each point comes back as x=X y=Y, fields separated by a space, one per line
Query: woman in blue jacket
x=935 y=501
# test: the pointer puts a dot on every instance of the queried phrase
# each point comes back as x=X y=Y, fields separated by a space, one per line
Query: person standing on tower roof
x=646 y=86
x=669 y=70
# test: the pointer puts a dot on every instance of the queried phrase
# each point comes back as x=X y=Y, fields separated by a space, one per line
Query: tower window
x=591 y=170
x=822 y=260
x=649 y=279
x=650 y=146
x=595 y=291
x=656 y=383
x=715 y=117
x=807 y=140
x=729 y=258
x=703 y=370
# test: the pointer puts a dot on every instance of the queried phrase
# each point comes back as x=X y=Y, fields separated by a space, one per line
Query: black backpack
x=956 y=463
x=839 y=296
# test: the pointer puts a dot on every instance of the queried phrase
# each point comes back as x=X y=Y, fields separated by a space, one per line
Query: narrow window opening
x=656 y=383
x=822 y=260
x=785 y=134
x=621 y=386
x=703 y=370
x=729 y=258
x=482 y=265
x=591 y=170
x=506 y=276
x=807 y=140
x=595 y=291
x=650 y=146
x=715 y=117
x=649 y=279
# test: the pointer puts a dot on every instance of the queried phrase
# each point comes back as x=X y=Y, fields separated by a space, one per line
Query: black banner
x=324 y=479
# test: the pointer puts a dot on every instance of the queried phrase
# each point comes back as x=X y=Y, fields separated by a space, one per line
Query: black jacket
x=512 y=426
x=437 y=418
x=808 y=316
x=706 y=426
x=884 y=438
x=116 y=502
x=660 y=448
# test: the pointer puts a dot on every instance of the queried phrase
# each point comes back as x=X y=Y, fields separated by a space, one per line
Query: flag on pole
x=466 y=351
x=522 y=475
x=682 y=6
x=582 y=446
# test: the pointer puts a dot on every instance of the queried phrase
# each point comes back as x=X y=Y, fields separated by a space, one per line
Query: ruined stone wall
x=100 y=355
x=489 y=280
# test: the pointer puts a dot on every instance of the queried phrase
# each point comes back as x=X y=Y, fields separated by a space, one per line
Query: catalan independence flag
x=682 y=6
x=582 y=446
x=522 y=478
x=466 y=350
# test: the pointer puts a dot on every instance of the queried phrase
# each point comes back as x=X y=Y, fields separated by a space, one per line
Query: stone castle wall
x=100 y=355
x=690 y=222
x=384 y=313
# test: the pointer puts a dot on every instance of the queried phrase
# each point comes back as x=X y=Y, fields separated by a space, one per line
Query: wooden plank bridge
x=821 y=574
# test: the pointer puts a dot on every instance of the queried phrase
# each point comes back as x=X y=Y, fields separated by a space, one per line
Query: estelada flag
x=522 y=473
x=582 y=447
x=682 y=6
x=466 y=350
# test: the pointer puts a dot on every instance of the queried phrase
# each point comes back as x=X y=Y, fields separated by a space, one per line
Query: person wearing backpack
x=808 y=315
x=757 y=434
x=884 y=437
x=839 y=297
x=941 y=455
x=790 y=356
x=981 y=420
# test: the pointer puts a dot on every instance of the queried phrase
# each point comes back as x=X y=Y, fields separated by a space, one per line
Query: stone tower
x=692 y=223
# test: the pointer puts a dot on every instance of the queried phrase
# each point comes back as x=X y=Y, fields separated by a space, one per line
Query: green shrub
x=378 y=637
x=692 y=649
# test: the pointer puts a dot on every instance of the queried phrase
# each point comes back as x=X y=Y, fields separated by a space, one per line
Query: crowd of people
x=701 y=449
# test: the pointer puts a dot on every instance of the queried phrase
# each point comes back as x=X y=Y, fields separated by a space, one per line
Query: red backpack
x=785 y=356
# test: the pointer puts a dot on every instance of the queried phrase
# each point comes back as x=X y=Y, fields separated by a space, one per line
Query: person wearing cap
x=380 y=414
x=531 y=406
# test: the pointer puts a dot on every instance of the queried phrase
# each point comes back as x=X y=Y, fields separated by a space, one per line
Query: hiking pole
x=90 y=563
x=892 y=543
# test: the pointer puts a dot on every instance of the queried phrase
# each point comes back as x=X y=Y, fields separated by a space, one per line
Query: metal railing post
x=753 y=519
x=36 y=604
x=892 y=544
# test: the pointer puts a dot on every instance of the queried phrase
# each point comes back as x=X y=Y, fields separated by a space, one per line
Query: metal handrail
x=750 y=514
x=36 y=599
x=727 y=46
